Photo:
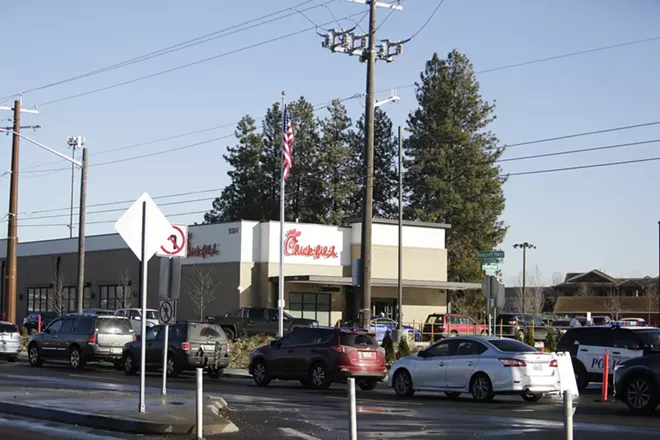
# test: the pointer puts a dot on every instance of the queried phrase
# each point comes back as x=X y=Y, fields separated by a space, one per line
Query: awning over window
x=378 y=282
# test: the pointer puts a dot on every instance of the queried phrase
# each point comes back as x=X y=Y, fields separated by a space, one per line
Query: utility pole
x=80 y=288
x=12 y=229
x=73 y=142
x=524 y=246
x=364 y=46
x=400 y=250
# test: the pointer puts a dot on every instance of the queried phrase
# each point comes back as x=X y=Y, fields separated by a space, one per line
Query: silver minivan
x=10 y=341
x=81 y=338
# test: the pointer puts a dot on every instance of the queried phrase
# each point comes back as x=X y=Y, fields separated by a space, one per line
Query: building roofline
x=414 y=223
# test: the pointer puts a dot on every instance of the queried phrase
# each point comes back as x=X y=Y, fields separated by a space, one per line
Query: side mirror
x=423 y=354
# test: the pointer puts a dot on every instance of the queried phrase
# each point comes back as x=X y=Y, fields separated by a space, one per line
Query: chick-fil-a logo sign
x=205 y=250
x=293 y=248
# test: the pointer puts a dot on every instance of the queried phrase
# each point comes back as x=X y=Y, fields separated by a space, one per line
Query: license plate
x=366 y=355
x=538 y=367
x=208 y=347
x=116 y=351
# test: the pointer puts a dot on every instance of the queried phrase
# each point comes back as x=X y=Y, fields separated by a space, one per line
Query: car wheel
x=12 y=358
x=260 y=373
x=230 y=334
x=34 y=356
x=76 y=359
x=638 y=395
x=403 y=384
x=368 y=385
x=580 y=375
x=452 y=394
x=215 y=373
x=531 y=397
x=130 y=365
x=318 y=377
x=173 y=368
x=481 y=388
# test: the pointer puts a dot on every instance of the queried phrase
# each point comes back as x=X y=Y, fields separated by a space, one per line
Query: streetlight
x=81 y=228
x=524 y=247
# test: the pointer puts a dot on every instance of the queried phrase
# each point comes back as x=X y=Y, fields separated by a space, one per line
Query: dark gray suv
x=81 y=338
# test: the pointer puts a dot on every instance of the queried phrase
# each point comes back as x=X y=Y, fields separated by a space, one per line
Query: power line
x=586 y=133
x=99 y=222
x=429 y=19
x=582 y=167
x=194 y=63
x=177 y=47
x=581 y=150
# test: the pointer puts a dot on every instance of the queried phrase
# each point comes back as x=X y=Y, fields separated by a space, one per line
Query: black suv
x=251 y=321
x=190 y=345
x=637 y=382
x=521 y=323
x=81 y=338
x=587 y=346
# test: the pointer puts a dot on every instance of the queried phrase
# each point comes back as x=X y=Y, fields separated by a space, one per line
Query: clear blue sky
x=602 y=218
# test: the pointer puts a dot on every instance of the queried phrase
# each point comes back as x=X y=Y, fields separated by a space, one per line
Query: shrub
x=529 y=337
x=388 y=345
x=242 y=348
x=403 y=349
x=550 y=342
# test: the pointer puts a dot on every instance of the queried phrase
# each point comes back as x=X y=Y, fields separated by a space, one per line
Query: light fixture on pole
x=524 y=246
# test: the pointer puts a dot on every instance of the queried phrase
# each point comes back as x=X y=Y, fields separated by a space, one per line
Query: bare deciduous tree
x=124 y=292
x=534 y=294
x=557 y=278
x=652 y=298
x=612 y=303
x=56 y=297
x=585 y=290
x=202 y=289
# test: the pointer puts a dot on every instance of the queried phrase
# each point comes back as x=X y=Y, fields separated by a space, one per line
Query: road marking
x=298 y=434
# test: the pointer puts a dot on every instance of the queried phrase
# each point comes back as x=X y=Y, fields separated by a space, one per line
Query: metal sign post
x=144 y=228
x=163 y=390
x=165 y=316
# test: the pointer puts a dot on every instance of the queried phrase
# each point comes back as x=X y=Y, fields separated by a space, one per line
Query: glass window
x=178 y=332
x=625 y=339
x=311 y=306
x=116 y=326
x=538 y=322
x=8 y=328
x=353 y=340
x=151 y=314
x=152 y=332
x=67 y=326
x=235 y=314
x=511 y=346
x=469 y=348
x=296 y=337
x=650 y=338
x=271 y=314
x=84 y=325
x=133 y=314
x=439 y=349
x=256 y=313
x=55 y=326
x=203 y=331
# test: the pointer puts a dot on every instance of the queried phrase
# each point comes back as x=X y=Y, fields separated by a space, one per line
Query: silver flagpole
x=280 y=301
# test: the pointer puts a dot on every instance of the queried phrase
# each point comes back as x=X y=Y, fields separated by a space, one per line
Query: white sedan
x=480 y=365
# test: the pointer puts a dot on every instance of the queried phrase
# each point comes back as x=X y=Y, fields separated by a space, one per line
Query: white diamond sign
x=157 y=228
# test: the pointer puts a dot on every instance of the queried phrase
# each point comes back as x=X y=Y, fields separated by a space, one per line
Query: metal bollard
x=568 y=415
x=352 y=418
x=199 y=404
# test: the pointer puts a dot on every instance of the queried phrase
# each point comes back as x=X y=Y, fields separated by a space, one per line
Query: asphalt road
x=286 y=410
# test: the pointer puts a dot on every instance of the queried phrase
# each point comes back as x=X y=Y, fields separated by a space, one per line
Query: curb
x=120 y=424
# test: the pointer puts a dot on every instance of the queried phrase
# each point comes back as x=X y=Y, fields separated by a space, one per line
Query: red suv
x=319 y=356
x=438 y=326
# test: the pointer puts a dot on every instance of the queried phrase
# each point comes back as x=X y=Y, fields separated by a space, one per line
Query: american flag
x=286 y=147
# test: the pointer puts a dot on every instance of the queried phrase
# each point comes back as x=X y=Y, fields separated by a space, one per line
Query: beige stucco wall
x=418 y=263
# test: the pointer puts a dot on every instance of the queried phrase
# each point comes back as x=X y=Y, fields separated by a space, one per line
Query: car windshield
x=152 y=314
x=511 y=346
x=8 y=328
x=650 y=338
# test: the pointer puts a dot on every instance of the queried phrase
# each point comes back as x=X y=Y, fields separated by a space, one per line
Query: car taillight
x=553 y=363
x=513 y=362
x=228 y=347
x=91 y=339
x=185 y=346
x=513 y=322
x=340 y=348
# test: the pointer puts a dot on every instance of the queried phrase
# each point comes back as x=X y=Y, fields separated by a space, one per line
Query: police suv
x=587 y=346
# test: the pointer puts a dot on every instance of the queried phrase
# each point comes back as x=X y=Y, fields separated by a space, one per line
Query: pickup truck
x=250 y=321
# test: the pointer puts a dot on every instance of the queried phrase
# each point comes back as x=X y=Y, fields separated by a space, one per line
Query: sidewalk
x=115 y=411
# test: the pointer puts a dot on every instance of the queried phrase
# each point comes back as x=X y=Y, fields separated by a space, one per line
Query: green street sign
x=490 y=268
x=490 y=255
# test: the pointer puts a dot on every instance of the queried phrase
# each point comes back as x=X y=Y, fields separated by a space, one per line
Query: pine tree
x=241 y=199
x=334 y=166
x=271 y=163
x=451 y=170
x=386 y=150
x=304 y=187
